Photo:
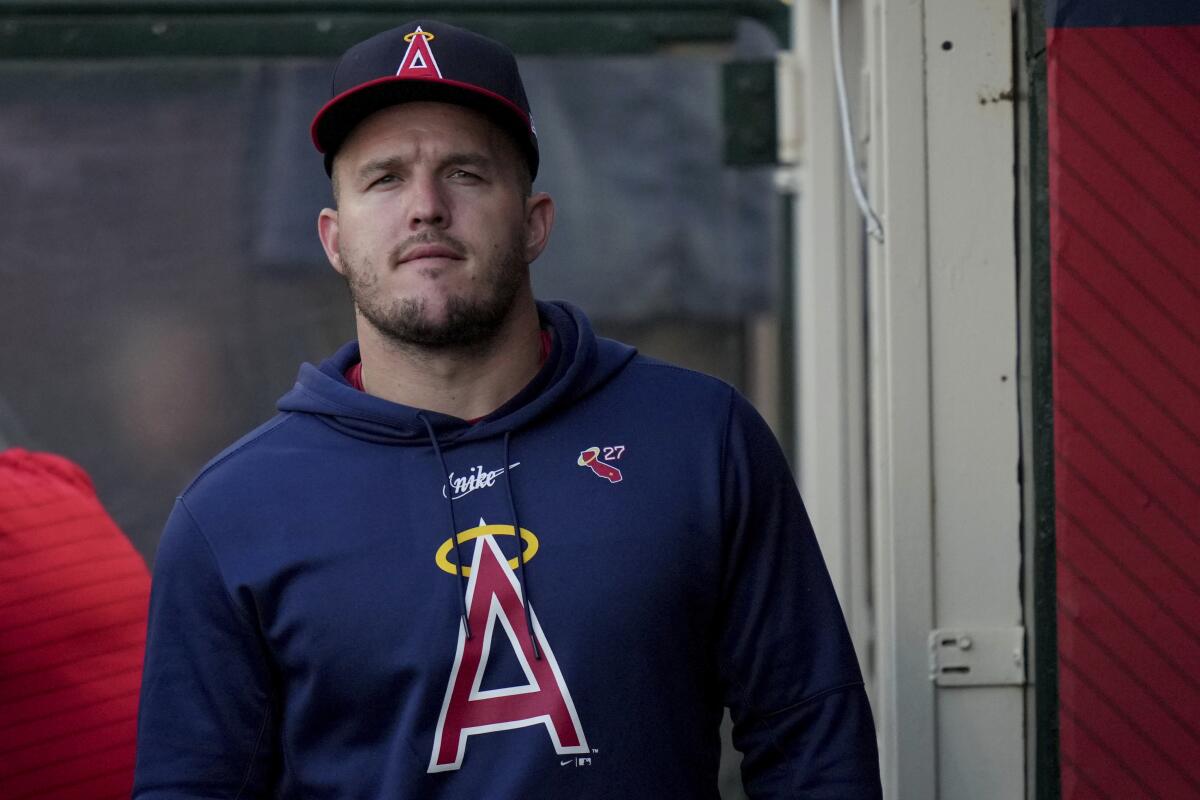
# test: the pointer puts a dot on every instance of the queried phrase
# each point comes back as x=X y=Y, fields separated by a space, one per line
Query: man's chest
x=602 y=553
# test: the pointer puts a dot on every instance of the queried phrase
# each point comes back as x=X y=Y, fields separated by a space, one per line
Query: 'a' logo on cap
x=418 y=58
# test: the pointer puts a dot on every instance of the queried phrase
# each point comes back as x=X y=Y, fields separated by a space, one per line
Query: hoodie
x=365 y=600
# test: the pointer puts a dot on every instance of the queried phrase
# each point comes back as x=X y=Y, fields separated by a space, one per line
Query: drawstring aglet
x=466 y=623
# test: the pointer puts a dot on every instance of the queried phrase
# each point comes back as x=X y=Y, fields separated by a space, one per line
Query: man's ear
x=327 y=229
x=539 y=219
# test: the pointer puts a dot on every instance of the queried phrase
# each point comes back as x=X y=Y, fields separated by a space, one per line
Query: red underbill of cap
x=521 y=115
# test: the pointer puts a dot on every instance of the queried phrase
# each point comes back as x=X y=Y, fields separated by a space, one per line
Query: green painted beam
x=748 y=110
x=277 y=28
x=746 y=7
x=1040 y=475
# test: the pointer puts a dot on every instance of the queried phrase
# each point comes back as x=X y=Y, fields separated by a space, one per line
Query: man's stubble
x=468 y=322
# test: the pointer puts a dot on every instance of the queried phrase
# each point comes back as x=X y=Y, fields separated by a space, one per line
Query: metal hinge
x=977 y=656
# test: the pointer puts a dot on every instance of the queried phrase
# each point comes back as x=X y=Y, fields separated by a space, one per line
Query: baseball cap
x=425 y=60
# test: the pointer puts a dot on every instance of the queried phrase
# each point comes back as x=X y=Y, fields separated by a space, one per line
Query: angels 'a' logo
x=494 y=604
x=418 y=61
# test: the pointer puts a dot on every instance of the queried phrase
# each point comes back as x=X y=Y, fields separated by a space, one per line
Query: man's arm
x=791 y=679
x=207 y=719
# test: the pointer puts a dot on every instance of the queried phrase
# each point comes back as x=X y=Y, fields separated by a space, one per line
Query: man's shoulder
x=659 y=374
x=681 y=396
x=692 y=399
x=256 y=454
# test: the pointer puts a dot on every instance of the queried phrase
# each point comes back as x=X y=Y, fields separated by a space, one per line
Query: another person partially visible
x=73 y=599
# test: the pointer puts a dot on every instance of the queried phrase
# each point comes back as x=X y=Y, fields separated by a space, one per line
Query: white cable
x=874 y=228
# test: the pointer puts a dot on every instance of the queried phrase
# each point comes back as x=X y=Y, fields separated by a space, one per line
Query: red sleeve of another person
x=73 y=598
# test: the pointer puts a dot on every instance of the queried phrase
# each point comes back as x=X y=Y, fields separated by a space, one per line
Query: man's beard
x=466 y=323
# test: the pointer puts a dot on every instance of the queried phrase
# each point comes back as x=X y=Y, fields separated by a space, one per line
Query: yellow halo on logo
x=443 y=552
x=429 y=37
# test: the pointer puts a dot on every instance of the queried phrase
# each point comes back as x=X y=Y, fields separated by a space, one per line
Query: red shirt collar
x=354 y=373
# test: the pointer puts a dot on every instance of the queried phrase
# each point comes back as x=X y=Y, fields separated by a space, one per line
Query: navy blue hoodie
x=312 y=634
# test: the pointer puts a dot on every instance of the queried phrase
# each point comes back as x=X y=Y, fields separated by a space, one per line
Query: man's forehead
x=418 y=119
x=426 y=130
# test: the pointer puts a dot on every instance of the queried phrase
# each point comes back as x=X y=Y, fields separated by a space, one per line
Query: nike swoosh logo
x=564 y=763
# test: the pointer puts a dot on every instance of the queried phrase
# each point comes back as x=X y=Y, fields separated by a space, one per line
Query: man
x=482 y=553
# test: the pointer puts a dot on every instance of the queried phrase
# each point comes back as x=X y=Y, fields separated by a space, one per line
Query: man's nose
x=428 y=206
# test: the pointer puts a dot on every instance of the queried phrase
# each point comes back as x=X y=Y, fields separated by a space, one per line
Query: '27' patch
x=591 y=458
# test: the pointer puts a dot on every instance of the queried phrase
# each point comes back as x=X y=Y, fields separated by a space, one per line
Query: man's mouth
x=429 y=251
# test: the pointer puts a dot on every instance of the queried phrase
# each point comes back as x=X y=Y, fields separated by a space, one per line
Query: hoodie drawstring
x=512 y=504
x=462 y=596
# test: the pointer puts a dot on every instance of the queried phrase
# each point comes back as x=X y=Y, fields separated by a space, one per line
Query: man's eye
x=463 y=174
x=384 y=180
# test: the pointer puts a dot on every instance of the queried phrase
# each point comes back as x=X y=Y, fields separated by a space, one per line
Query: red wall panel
x=1124 y=128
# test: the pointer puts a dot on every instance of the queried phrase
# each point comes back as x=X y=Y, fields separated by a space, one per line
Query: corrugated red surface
x=1124 y=123
x=73 y=597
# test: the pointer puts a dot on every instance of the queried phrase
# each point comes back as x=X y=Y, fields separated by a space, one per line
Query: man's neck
x=468 y=383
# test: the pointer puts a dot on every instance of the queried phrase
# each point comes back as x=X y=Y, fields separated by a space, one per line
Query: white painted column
x=973 y=344
x=922 y=407
x=944 y=435
x=900 y=377
x=830 y=368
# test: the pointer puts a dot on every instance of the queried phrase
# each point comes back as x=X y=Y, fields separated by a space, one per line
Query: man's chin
x=439 y=329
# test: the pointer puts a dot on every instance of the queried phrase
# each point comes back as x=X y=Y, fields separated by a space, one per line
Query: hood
x=578 y=363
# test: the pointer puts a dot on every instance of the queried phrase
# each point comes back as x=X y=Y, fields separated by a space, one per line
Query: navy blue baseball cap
x=425 y=60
